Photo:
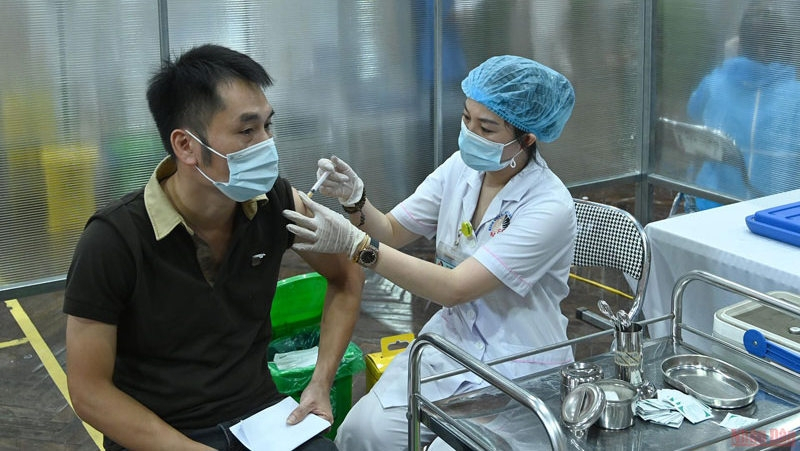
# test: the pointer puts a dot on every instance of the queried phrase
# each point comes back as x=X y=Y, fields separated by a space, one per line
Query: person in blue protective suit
x=755 y=99
x=504 y=226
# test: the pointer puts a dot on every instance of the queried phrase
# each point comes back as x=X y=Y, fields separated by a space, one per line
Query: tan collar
x=163 y=215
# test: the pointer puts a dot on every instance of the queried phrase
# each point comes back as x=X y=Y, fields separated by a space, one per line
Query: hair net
x=528 y=95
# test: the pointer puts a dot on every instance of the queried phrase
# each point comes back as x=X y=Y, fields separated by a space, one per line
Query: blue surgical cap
x=528 y=95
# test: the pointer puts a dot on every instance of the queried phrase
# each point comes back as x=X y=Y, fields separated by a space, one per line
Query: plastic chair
x=612 y=238
x=704 y=144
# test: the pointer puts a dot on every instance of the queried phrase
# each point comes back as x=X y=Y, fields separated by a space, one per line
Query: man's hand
x=314 y=400
x=326 y=231
x=342 y=182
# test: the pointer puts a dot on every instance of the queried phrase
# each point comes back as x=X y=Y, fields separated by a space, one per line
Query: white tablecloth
x=717 y=241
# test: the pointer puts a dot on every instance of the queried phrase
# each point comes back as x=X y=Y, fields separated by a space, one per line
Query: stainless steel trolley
x=525 y=413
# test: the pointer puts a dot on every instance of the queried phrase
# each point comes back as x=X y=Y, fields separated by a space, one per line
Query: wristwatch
x=367 y=256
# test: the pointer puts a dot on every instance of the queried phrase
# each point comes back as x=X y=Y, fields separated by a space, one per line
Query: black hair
x=518 y=134
x=766 y=34
x=184 y=93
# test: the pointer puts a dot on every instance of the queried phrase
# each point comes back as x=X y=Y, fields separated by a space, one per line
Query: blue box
x=780 y=223
x=783 y=216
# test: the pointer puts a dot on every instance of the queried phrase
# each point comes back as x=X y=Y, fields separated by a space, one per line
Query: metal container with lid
x=619 y=409
x=578 y=373
x=582 y=407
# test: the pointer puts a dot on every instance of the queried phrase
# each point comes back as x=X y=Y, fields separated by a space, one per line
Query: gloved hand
x=342 y=182
x=327 y=231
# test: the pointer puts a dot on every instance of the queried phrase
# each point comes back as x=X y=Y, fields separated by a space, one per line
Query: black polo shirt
x=193 y=353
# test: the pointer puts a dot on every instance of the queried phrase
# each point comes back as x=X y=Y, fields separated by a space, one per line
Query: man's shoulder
x=134 y=199
x=122 y=209
x=281 y=194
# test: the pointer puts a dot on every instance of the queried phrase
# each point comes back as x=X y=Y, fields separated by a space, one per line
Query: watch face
x=367 y=257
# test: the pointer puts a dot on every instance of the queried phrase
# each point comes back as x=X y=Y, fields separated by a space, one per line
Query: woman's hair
x=518 y=134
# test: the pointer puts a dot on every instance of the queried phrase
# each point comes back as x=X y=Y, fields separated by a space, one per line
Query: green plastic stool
x=298 y=303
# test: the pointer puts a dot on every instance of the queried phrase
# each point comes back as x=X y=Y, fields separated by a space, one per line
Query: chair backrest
x=707 y=144
x=611 y=237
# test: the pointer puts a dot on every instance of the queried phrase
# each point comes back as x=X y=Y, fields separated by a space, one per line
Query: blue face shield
x=481 y=154
x=252 y=170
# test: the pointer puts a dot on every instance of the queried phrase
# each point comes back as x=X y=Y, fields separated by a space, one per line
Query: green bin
x=296 y=313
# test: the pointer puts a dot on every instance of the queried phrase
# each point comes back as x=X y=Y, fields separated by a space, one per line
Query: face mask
x=252 y=170
x=481 y=154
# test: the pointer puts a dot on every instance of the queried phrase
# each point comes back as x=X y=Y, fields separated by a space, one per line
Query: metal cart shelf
x=525 y=413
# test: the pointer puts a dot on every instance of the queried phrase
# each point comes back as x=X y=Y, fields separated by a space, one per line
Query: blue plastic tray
x=771 y=231
x=783 y=216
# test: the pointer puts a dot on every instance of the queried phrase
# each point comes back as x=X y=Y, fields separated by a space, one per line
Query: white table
x=717 y=241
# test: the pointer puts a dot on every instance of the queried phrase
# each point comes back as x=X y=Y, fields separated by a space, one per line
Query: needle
x=318 y=184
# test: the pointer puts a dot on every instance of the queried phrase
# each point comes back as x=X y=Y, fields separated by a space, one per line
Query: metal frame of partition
x=33 y=288
x=642 y=180
x=644 y=193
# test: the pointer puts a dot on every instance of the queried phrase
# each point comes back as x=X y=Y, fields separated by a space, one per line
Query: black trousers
x=221 y=438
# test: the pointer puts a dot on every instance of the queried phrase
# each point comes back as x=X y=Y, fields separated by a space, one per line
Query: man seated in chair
x=170 y=289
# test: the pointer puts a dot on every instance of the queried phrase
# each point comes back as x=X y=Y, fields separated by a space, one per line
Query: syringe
x=318 y=184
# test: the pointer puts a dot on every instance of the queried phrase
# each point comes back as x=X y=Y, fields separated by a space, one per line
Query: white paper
x=300 y=358
x=734 y=422
x=689 y=406
x=659 y=412
x=267 y=430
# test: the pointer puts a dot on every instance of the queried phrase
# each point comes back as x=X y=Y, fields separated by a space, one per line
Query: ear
x=528 y=139
x=182 y=145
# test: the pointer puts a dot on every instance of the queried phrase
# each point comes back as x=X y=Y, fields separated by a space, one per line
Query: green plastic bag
x=294 y=380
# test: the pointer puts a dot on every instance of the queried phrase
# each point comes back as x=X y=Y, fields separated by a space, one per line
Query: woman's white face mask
x=481 y=154
x=252 y=170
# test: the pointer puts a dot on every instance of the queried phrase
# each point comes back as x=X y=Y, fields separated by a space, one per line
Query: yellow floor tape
x=10 y=343
x=48 y=359
x=600 y=285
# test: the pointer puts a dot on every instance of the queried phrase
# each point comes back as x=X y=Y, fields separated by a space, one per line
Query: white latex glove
x=326 y=232
x=342 y=183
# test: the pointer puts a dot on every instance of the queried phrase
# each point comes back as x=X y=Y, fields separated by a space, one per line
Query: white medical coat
x=526 y=239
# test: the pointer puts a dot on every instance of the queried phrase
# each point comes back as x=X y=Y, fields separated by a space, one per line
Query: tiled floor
x=34 y=414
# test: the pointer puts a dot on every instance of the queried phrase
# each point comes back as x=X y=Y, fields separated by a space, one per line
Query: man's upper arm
x=335 y=267
x=91 y=351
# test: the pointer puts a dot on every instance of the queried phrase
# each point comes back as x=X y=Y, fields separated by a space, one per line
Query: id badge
x=448 y=255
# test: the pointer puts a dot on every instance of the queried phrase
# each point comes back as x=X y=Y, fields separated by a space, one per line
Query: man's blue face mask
x=481 y=154
x=252 y=170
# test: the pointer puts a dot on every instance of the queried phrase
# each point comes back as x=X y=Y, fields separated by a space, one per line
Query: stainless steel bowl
x=620 y=405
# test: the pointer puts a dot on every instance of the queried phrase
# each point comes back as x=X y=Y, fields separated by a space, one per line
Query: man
x=169 y=292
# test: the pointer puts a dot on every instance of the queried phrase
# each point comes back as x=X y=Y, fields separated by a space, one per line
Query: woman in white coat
x=504 y=226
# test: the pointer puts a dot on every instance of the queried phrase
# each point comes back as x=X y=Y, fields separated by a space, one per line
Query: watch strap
x=358 y=206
